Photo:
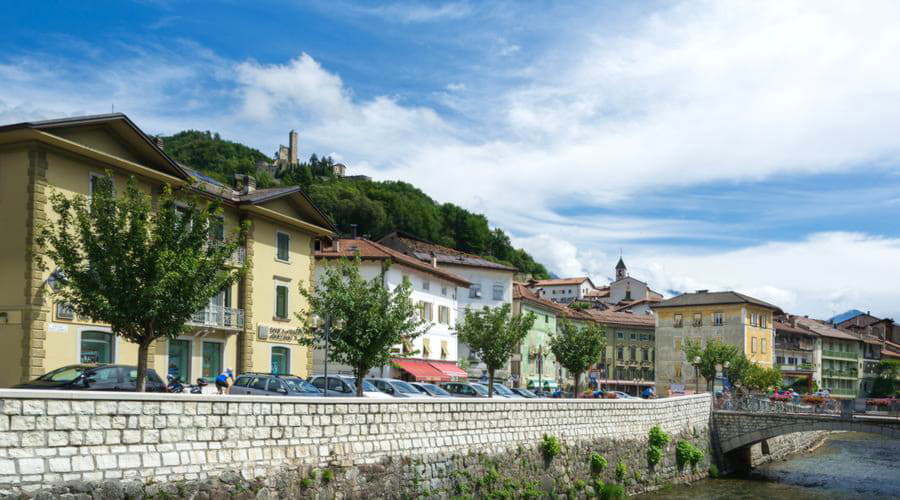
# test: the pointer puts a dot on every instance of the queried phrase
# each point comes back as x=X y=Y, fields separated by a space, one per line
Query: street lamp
x=697 y=361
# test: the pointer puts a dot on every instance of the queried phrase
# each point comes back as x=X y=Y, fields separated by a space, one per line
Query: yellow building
x=249 y=327
x=730 y=317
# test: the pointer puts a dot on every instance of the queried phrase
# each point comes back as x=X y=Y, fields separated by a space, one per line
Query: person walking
x=224 y=381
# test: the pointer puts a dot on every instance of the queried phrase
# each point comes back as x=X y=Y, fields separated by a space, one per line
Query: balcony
x=849 y=374
x=226 y=318
x=238 y=257
x=843 y=392
x=839 y=354
x=799 y=367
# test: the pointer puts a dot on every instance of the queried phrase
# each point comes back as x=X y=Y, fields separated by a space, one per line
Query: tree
x=493 y=335
x=144 y=272
x=715 y=353
x=888 y=374
x=739 y=370
x=761 y=378
x=375 y=318
x=576 y=349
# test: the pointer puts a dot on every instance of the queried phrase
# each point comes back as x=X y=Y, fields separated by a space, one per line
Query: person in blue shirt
x=224 y=381
x=648 y=393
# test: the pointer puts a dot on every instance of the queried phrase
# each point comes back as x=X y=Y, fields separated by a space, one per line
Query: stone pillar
x=245 y=302
x=34 y=317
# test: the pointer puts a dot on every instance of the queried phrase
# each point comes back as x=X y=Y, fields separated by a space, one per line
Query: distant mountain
x=376 y=208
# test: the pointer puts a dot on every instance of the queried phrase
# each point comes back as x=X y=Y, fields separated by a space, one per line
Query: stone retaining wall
x=51 y=437
x=781 y=447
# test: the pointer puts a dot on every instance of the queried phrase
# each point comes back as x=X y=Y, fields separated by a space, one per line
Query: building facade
x=533 y=365
x=564 y=290
x=628 y=362
x=433 y=355
x=490 y=285
x=730 y=317
x=249 y=327
x=798 y=354
x=842 y=361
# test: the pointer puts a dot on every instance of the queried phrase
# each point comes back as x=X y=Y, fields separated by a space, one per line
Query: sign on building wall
x=278 y=334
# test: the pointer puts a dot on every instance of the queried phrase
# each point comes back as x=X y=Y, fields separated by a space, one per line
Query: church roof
x=621 y=264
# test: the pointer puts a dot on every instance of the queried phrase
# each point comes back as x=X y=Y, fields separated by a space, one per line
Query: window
x=762 y=346
x=633 y=336
x=212 y=361
x=180 y=359
x=444 y=291
x=259 y=383
x=499 y=291
x=632 y=353
x=217 y=229
x=445 y=350
x=645 y=337
x=678 y=344
x=283 y=246
x=754 y=319
x=281 y=360
x=281 y=301
x=64 y=311
x=620 y=335
x=620 y=353
x=546 y=319
x=753 y=345
x=645 y=354
x=678 y=322
x=426 y=285
x=444 y=315
x=698 y=319
x=475 y=291
x=780 y=360
x=426 y=312
x=97 y=347
x=717 y=319
x=426 y=348
x=763 y=321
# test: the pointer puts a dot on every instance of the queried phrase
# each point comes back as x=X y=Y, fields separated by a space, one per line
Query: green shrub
x=598 y=463
x=658 y=438
x=550 y=447
x=654 y=455
x=598 y=486
x=621 y=471
x=687 y=453
x=713 y=471
x=327 y=476
x=306 y=483
x=579 y=484
x=613 y=491
x=696 y=457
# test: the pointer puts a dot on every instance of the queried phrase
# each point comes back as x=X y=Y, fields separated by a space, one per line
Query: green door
x=180 y=360
x=281 y=357
x=212 y=360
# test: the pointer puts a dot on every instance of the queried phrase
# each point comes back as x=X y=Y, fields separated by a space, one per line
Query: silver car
x=267 y=384
x=396 y=388
x=430 y=389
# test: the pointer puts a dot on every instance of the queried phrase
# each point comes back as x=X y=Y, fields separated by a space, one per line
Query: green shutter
x=281 y=302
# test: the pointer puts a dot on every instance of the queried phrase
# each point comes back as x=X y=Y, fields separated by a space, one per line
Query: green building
x=628 y=362
x=533 y=365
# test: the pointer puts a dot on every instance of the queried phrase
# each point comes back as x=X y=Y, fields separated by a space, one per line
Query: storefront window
x=97 y=347
x=212 y=360
x=281 y=360
x=180 y=359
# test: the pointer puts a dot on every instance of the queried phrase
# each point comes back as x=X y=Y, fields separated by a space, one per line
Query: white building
x=565 y=290
x=490 y=283
x=432 y=356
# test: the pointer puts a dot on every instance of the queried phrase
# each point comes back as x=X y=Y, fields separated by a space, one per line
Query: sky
x=714 y=145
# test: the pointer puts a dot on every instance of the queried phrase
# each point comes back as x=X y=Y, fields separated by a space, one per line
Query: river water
x=848 y=465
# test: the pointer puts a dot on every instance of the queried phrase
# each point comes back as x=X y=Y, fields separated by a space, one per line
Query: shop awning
x=548 y=382
x=421 y=370
x=449 y=369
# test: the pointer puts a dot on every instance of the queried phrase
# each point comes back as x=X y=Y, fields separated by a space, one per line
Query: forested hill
x=375 y=207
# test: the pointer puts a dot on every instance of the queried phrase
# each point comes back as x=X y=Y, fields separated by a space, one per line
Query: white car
x=345 y=386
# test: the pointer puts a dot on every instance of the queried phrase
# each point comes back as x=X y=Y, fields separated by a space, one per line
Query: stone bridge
x=737 y=431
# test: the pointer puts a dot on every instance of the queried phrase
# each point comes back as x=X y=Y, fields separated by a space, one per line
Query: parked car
x=345 y=386
x=506 y=392
x=465 y=390
x=396 y=388
x=623 y=395
x=525 y=393
x=269 y=384
x=91 y=377
x=430 y=389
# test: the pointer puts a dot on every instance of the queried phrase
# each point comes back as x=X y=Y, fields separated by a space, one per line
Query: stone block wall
x=49 y=438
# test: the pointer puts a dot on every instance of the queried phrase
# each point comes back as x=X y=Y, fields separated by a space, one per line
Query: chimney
x=293 y=147
x=159 y=142
x=353 y=231
x=433 y=260
x=244 y=184
x=702 y=291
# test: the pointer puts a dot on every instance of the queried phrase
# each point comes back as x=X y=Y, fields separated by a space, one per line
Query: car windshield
x=64 y=374
x=502 y=389
x=300 y=385
x=367 y=386
x=436 y=390
x=404 y=387
x=480 y=389
x=527 y=393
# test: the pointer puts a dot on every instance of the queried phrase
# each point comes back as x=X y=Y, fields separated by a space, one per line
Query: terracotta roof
x=423 y=250
x=621 y=306
x=713 y=298
x=784 y=326
x=820 y=328
x=890 y=354
x=599 y=292
x=560 y=281
x=521 y=292
x=370 y=250
x=623 y=318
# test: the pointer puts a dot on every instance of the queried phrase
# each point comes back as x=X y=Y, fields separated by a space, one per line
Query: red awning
x=421 y=370
x=450 y=369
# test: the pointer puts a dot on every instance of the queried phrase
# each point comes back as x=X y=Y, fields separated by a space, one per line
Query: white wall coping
x=233 y=398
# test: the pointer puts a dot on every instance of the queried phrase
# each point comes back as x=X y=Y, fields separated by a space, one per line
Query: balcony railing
x=228 y=318
x=840 y=373
x=839 y=354
x=799 y=367
x=238 y=257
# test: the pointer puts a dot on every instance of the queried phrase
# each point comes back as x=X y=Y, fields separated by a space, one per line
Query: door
x=276 y=387
x=180 y=360
x=212 y=361
x=281 y=358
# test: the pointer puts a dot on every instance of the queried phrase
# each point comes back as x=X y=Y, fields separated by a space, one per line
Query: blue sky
x=717 y=144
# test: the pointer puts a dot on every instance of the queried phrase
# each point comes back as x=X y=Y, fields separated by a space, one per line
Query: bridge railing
x=874 y=407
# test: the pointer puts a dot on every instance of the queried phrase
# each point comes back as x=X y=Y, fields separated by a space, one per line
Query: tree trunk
x=575 y=390
x=359 y=382
x=143 y=354
x=490 y=382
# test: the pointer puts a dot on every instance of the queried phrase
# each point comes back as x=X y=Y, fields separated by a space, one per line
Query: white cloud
x=414 y=12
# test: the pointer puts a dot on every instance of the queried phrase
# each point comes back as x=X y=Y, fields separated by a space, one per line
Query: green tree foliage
x=492 y=335
x=760 y=378
x=888 y=376
x=657 y=439
x=715 y=353
x=215 y=156
x=577 y=348
x=373 y=318
x=145 y=272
